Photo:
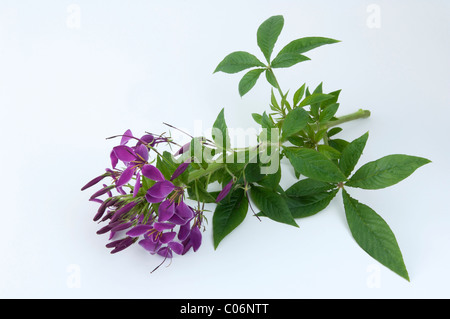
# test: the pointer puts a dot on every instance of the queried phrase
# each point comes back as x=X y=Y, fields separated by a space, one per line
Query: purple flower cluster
x=158 y=214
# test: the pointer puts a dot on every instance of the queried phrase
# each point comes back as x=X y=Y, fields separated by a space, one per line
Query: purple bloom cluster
x=158 y=214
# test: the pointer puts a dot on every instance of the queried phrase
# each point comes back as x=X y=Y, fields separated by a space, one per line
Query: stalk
x=360 y=114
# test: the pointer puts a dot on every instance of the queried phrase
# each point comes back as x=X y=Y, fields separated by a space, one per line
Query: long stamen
x=165 y=257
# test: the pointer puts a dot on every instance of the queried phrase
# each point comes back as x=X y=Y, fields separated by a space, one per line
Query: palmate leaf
x=373 y=235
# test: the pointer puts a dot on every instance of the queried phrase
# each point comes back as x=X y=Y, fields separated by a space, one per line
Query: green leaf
x=229 y=214
x=351 y=154
x=303 y=45
x=238 y=61
x=166 y=165
x=334 y=131
x=252 y=173
x=305 y=206
x=266 y=122
x=273 y=101
x=249 y=80
x=257 y=117
x=272 y=205
x=298 y=95
x=373 y=235
x=332 y=100
x=294 y=122
x=329 y=152
x=386 y=171
x=328 y=112
x=313 y=164
x=199 y=187
x=338 y=144
x=268 y=33
x=220 y=132
x=287 y=60
x=308 y=186
x=271 y=181
x=315 y=98
x=271 y=78
x=296 y=140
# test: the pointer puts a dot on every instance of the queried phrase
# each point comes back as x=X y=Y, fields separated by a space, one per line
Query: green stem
x=279 y=91
x=360 y=114
x=212 y=167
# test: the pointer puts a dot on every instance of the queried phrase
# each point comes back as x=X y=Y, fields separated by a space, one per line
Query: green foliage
x=314 y=164
x=229 y=214
x=386 y=171
x=323 y=164
x=373 y=235
x=272 y=204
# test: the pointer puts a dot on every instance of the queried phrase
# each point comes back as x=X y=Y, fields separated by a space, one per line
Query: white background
x=74 y=73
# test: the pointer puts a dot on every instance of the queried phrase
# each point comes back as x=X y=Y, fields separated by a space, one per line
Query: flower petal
x=146 y=139
x=153 y=199
x=152 y=173
x=180 y=169
x=123 y=210
x=127 y=242
x=139 y=230
x=166 y=210
x=163 y=226
x=114 y=159
x=150 y=245
x=178 y=220
x=224 y=192
x=184 y=211
x=94 y=181
x=121 y=227
x=196 y=238
x=141 y=153
x=167 y=237
x=176 y=247
x=126 y=137
x=137 y=185
x=183 y=149
x=184 y=231
x=102 y=191
x=165 y=252
x=125 y=177
x=161 y=189
x=124 y=153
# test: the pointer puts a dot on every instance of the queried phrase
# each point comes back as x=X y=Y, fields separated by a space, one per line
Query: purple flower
x=94 y=181
x=183 y=149
x=102 y=191
x=120 y=244
x=224 y=192
x=158 y=219
x=180 y=169
x=158 y=192
x=193 y=237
